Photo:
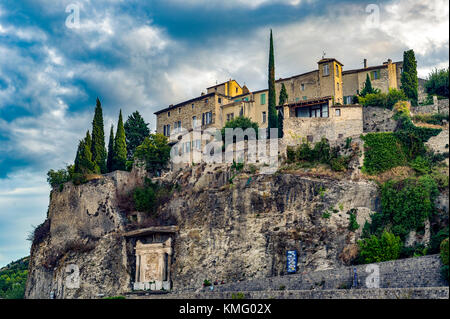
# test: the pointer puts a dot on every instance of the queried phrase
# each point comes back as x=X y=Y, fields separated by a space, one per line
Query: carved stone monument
x=153 y=265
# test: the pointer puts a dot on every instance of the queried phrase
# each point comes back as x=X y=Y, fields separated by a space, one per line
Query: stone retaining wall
x=389 y=293
x=405 y=273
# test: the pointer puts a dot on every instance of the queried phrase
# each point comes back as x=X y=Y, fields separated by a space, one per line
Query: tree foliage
x=240 y=122
x=368 y=89
x=409 y=77
x=83 y=160
x=282 y=100
x=154 y=151
x=110 y=159
x=377 y=249
x=136 y=130
x=98 y=139
x=13 y=278
x=379 y=99
x=438 y=83
x=120 y=146
x=272 y=118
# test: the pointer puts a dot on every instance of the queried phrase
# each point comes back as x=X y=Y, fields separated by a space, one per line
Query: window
x=326 y=70
x=193 y=105
x=206 y=118
x=374 y=75
x=177 y=126
x=263 y=99
x=230 y=117
x=206 y=101
x=305 y=98
x=303 y=87
x=340 y=135
x=179 y=110
x=324 y=110
x=187 y=147
x=310 y=138
x=297 y=99
x=237 y=90
x=198 y=144
x=338 y=112
x=194 y=121
x=348 y=99
x=168 y=114
x=167 y=130
x=337 y=86
x=337 y=70
x=220 y=100
x=264 y=117
x=302 y=112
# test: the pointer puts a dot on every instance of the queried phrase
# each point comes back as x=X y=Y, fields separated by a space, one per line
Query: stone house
x=320 y=104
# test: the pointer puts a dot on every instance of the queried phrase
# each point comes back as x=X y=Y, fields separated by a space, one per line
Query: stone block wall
x=377 y=119
x=405 y=273
x=349 y=124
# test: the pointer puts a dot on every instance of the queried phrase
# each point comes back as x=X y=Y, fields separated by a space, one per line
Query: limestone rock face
x=227 y=231
x=231 y=232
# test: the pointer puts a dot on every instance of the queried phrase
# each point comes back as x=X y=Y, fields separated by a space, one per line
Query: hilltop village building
x=320 y=103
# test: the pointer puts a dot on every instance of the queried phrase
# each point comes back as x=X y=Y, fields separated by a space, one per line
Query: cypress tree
x=98 y=138
x=368 y=89
x=83 y=161
x=282 y=100
x=136 y=130
x=110 y=160
x=273 y=118
x=409 y=77
x=120 y=146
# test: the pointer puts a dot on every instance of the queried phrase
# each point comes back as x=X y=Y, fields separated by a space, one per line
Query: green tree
x=283 y=95
x=377 y=249
x=240 y=122
x=83 y=160
x=409 y=76
x=282 y=100
x=273 y=118
x=110 y=159
x=438 y=83
x=368 y=89
x=154 y=151
x=120 y=146
x=136 y=130
x=98 y=148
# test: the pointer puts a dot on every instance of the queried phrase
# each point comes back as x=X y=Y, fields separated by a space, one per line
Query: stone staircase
x=412 y=278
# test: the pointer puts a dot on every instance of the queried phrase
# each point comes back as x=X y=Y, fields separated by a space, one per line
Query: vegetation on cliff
x=13 y=278
x=438 y=83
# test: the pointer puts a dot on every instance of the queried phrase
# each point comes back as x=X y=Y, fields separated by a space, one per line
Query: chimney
x=365 y=63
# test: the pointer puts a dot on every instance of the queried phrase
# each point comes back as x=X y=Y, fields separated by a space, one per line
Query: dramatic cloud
x=147 y=55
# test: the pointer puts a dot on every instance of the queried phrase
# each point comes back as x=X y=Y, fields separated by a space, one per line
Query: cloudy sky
x=137 y=56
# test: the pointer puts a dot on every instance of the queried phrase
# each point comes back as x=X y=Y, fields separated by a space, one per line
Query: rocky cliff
x=227 y=231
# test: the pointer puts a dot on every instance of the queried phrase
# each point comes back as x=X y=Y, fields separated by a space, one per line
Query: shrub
x=144 y=198
x=382 y=99
x=436 y=240
x=206 y=283
x=238 y=295
x=57 y=178
x=353 y=224
x=326 y=215
x=383 y=151
x=40 y=233
x=421 y=165
x=436 y=119
x=378 y=249
x=402 y=107
x=405 y=205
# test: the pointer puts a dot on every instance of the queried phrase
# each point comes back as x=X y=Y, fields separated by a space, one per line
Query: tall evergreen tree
x=368 y=89
x=120 y=146
x=83 y=160
x=98 y=138
x=409 y=77
x=282 y=100
x=273 y=118
x=283 y=95
x=110 y=159
x=136 y=130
